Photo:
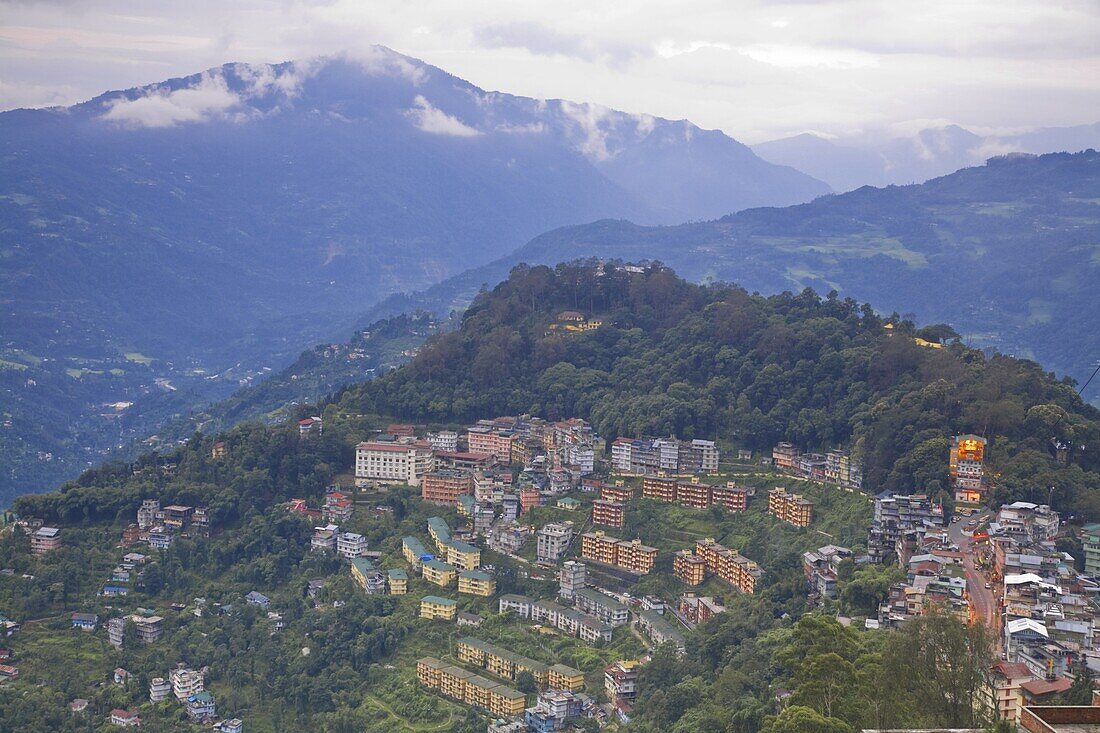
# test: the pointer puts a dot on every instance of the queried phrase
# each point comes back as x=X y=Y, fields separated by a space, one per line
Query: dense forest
x=670 y=357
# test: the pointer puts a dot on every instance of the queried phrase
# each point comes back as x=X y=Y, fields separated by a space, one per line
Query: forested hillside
x=666 y=356
x=715 y=361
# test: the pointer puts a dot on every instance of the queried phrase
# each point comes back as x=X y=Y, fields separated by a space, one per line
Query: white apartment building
x=397 y=463
x=553 y=541
x=350 y=545
x=185 y=682
x=445 y=441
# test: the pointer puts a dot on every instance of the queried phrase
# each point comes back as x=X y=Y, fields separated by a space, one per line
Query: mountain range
x=164 y=245
x=846 y=163
x=1004 y=252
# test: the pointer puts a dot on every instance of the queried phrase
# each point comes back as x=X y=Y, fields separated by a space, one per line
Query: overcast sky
x=756 y=70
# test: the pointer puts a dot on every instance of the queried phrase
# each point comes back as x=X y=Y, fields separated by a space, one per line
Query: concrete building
x=553 y=540
x=689 y=567
x=185 y=682
x=351 y=545
x=45 y=539
x=476 y=583
x=601 y=606
x=1090 y=538
x=160 y=689
x=446 y=485
x=608 y=513
x=435 y=607
x=395 y=463
x=571 y=578
x=438 y=572
x=967 y=468
x=790 y=508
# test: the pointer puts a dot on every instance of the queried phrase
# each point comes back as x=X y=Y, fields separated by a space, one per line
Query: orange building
x=791 y=508
x=629 y=555
x=621 y=494
x=729 y=565
x=689 y=567
x=608 y=513
x=529 y=498
x=662 y=489
x=733 y=498
x=445 y=485
x=485 y=440
x=696 y=496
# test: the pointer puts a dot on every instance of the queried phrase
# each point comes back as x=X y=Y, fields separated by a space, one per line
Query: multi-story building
x=160 y=689
x=616 y=492
x=445 y=441
x=731 y=497
x=177 y=516
x=351 y=545
x=660 y=630
x=200 y=707
x=1005 y=679
x=661 y=489
x=324 y=538
x=553 y=541
x=895 y=514
x=367 y=576
x=385 y=462
x=116 y=631
x=148 y=628
x=573 y=622
x=337 y=508
x=629 y=555
x=646 y=456
x=414 y=552
x=689 y=567
x=785 y=456
x=476 y=583
x=571 y=578
x=1090 y=538
x=185 y=682
x=729 y=565
x=508 y=537
x=634 y=556
x=126 y=718
x=500 y=661
x=445 y=485
x=967 y=468
x=469 y=688
x=147 y=513
x=489 y=441
x=693 y=495
x=602 y=606
x=160 y=538
x=841 y=468
x=517 y=604
x=440 y=532
x=45 y=539
x=699 y=609
x=791 y=508
x=561 y=677
x=608 y=513
x=620 y=681
x=821 y=566
x=397 y=582
x=463 y=556
x=435 y=607
x=529 y=498
x=439 y=573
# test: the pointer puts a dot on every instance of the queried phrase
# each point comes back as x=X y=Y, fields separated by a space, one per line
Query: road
x=985 y=601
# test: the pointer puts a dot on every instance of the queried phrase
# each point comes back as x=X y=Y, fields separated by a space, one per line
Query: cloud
x=589 y=121
x=211 y=98
x=438 y=122
x=381 y=61
x=544 y=41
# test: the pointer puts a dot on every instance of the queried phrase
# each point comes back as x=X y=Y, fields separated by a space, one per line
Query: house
x=229 y=725
x=367 y=576
x=79 y=705
x=200 y=707
x=160 y=689
x=126 y=718
x=7 y=672
x=337 y=507
x=149 y=628
x=435 y=607
x=324 y=538
x=468 y=619
x=621 y=681
x=160 y=538
x=351 y=545
x=121 y=676
x=255 y=598
x=186 y=682
x=85 y=621
x=45 y=539
x=309 y=426
x=1005 y=680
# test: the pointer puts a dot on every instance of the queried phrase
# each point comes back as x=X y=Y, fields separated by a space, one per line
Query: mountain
x=668 y=356
x=846 y=163
x=162 y=246
x=1004 y=252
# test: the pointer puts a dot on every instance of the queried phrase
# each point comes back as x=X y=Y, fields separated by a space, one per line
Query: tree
x=1080 y=692
x=799 y=719
x=525 y=683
